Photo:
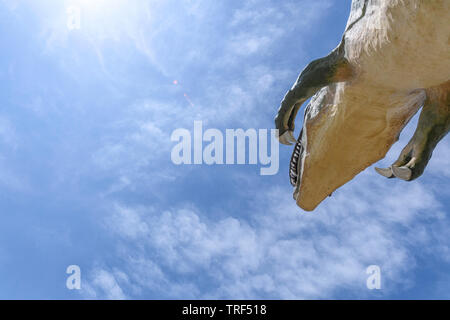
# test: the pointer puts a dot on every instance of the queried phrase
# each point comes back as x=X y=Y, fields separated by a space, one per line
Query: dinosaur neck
x=400 y=55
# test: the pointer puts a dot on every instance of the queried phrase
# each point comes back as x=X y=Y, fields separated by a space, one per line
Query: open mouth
x=295 y=165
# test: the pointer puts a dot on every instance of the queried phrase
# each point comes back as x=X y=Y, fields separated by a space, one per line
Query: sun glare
x=98 y=17
x=92 y=4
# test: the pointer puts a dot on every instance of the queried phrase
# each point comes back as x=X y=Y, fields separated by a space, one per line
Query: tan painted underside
x=352 y=131
x=403 y=45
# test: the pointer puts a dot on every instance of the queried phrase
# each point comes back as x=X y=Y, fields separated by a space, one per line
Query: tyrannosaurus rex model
x=394 y=58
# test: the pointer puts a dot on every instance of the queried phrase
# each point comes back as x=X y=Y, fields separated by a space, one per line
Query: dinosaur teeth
x=294 y=169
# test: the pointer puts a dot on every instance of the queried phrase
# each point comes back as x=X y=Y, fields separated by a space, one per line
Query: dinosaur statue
x=394 y=58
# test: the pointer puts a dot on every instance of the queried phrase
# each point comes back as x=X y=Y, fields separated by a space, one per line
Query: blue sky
x=86 y=177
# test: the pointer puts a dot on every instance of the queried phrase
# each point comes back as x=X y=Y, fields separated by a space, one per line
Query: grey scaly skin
x=318 y=74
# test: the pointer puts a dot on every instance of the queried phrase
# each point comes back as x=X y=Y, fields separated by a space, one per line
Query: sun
x=97 y=16
x=92 y=4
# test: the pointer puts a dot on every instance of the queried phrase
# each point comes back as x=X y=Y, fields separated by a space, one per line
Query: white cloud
x=259 y=24
x=105 y=284
x=8 y=136
x=11 y=4
x=273 y=250
x=10 y=142
x=277 y=251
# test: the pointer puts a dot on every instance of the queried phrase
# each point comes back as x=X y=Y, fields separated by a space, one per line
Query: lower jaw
x=296 y=192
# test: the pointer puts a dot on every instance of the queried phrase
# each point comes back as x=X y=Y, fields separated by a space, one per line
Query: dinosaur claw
x=290 y=136
x=403 y=173
x=385 y=172
x=287 y=138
